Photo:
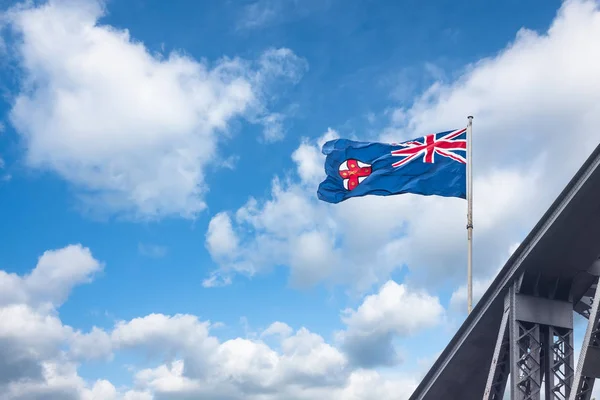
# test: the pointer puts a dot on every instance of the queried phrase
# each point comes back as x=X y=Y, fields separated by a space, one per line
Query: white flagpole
x=469 y=217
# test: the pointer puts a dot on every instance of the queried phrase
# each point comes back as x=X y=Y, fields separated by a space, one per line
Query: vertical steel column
x=558 y=361
x=526 y=348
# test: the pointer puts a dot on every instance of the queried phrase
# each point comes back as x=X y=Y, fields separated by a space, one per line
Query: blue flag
x=431 y=165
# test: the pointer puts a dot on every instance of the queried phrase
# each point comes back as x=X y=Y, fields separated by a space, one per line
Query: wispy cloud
x=230 y=162
x=4 y=177
x=263 y=13
x=152 y=250
x=259 y=14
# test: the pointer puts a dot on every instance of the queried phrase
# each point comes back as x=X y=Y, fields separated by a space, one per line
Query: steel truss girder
x=588 y=365
x=532 y=352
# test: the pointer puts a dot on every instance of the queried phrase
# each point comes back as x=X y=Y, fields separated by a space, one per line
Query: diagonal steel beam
x=588 y=366
x=500 y=368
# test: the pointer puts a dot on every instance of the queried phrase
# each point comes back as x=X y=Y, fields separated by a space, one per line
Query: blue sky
x=159 y=170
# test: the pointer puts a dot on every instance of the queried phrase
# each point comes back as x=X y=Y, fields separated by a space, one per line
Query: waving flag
x=432 y=165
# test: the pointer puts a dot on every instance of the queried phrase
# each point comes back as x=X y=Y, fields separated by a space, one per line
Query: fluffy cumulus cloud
x=40 y=356
x=134 y=131
x=305 y=366
x=393 y=312
x=301 y=365
x=527 y=100
x=33 y=362
x=50 y=282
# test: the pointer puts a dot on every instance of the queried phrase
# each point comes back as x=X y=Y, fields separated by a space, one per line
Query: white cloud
x=133 y=131
x=277 y=328
x=166 y=336
x=27 y=337
x=166 y=379
x=370 y=385
x=95 y=344
x=199 y=365
x=40 y=356
x=59 y=382
x=221 y=240
x=309 y=160
x=278 y=225
x=305 y=356
x=395 y=311
x=394 y=308
x=51 y=281
x=33 y=362
x=102 y=390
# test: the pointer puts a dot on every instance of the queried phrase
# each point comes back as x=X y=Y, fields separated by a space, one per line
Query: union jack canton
x=445 y=144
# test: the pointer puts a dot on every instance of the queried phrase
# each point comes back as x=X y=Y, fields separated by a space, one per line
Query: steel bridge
x=518 y=340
